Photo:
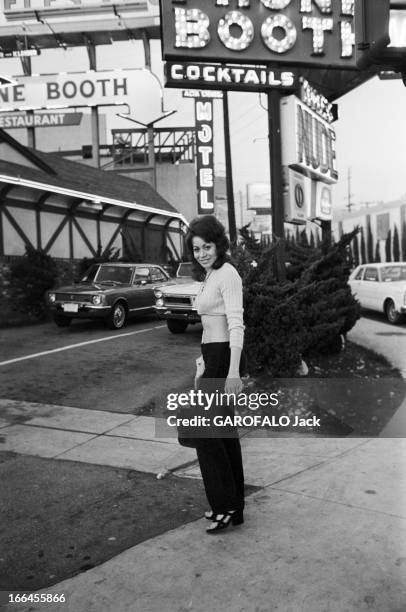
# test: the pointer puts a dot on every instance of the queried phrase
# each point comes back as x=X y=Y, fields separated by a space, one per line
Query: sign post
x=259 y=46
x=275 y=157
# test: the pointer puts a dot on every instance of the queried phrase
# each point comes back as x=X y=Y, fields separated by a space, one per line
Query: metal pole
x=275 y=157
x=91 y=51
x=151 y=154
x=232 y=228
x=27 y=69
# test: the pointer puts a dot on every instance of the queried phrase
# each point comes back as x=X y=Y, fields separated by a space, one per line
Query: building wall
x=175 y=182
x=380 y=218
x=64 y=138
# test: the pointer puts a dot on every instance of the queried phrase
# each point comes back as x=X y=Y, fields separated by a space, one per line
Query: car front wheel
x=392 y=314
x=62 y=321
x=117 y=317
x=176 y=327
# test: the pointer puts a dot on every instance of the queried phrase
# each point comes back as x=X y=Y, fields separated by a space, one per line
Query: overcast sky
x=371 y=131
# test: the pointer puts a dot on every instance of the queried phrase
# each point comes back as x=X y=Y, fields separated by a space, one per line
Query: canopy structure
x=72 y=210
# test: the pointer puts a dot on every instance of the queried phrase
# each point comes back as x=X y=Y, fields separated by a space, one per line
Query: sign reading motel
x=295 y=32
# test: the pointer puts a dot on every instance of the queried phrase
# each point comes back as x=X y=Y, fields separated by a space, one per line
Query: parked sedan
x=381 y=287
x=110 y=291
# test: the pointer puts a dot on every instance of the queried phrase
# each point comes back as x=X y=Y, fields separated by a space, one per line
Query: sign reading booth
x=296 y=32
x=137 y=88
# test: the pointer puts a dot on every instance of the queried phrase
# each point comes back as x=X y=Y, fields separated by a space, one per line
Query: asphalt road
x=89 y=366
x=374 y=332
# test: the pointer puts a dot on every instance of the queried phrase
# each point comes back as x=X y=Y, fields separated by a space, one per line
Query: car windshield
x=393 y=273
x=184 y=270
x=114 y=274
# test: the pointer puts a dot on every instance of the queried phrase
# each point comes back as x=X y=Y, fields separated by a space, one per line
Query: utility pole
x=232 y=228
x=91 y=52
x=275 y=154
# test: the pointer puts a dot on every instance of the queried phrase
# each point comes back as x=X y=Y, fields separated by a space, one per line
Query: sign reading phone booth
x=296 y=196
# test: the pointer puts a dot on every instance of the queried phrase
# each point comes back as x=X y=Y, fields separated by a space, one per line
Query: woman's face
x=205 y=253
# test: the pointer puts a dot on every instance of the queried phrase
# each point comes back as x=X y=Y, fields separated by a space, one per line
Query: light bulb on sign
x=347 y=39
x=319 y=26
x=325 y=6
x=192 y=28
x=247 y=28
x=283 y=22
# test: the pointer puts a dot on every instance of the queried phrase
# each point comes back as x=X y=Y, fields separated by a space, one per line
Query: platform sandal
x=222 y=521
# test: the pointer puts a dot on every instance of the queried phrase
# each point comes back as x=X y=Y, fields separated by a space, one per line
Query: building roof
x=51 y=172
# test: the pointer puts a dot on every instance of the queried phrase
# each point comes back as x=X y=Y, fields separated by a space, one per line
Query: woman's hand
x=233 y=385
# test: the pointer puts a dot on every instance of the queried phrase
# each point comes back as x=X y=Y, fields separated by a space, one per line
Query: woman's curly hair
x=209 y=229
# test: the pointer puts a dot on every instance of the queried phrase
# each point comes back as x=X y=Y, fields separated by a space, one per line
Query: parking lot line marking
x=72 y=346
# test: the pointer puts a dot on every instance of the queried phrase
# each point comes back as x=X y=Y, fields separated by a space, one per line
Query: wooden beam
x=38 y=206
x=84 y=237
x=3 y=193
x=173 y=246
x=56 y=234
x=118 y=229
x=17 y=228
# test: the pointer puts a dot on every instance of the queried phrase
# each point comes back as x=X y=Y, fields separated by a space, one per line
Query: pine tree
x=396 y=245
x=363 y=251
x=377 y=258
x=303 y=238
x=308 y=312
x=403 y=241
x=355 y=250
x=312 y=241
x=370 y=241
x=388 y=245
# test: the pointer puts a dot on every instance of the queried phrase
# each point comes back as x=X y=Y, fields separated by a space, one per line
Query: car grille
x=73 y=297
x=178 y=301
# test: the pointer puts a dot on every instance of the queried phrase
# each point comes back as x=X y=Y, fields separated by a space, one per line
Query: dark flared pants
x=219 y=458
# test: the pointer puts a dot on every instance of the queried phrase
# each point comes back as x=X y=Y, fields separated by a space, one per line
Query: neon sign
x=309 y=141
x=228 y=76
x=204 y=155
x=311 y=32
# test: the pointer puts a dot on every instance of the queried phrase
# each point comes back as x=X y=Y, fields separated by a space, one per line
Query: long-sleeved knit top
x=221 y=296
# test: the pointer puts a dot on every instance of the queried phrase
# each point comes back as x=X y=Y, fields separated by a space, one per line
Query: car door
x=369 y=287
x=141 y=295
x=355 y=282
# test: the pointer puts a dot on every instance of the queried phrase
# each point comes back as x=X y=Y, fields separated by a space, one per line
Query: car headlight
x=51 y=297
x=158 y=293
x=97 y=299
x=159 y=302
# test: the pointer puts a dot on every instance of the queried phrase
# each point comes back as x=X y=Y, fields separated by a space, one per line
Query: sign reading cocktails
x=295 y=32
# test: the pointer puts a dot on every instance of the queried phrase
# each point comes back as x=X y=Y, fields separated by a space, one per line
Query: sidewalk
x=327 y=531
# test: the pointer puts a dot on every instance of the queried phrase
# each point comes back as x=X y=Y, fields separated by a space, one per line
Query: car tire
x=62 y=321
x=392 y=314
x=176 y=327
x=117 y=318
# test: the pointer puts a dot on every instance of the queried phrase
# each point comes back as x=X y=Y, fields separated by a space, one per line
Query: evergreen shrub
x=30 y=276
x=308 y=313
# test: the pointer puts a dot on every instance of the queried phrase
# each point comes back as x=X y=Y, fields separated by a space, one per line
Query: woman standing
x=220 y=305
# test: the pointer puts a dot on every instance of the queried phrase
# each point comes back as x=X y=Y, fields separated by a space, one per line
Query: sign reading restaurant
x=15 y=120
x=295 y=32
